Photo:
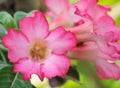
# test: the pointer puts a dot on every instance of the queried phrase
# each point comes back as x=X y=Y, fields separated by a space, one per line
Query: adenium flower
x=97 y=39
x=35 y=50
x=96 y=32
x=61 y=13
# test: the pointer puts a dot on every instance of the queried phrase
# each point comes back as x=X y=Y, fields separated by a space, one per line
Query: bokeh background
x=86 y=70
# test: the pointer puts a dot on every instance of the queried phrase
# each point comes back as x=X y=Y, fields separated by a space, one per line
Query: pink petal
x=55 y=66
x=106 y=24
x=60 y=41
x=35 y=27
x=88 y=51
x=107 y=70
x=27 y=67
x=61 y=19
x=57 y=6
x=17 y=45
x=89 y=9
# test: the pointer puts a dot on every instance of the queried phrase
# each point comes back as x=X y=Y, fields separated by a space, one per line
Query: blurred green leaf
x=2 y=47
x=118 y=63
x=108 y=2
x=8 y=79
x=116 y=84
x=73 y=1
x=73 y=74
x=6 y=20
x=71 y=84
x=108 y=83
x=2 y=31
x=118 y=21
x=3 y=65
x=3 y=57
x=18 y=16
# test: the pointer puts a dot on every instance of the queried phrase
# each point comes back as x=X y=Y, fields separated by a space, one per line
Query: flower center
x=38 y=50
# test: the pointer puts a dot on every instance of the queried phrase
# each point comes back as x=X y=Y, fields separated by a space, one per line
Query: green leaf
x=2 y=31
x=116 y=84
x=2 y=47
x=108 y=2
x=3 y=57
x=118 y=21
x=7 y=20
x=73 y=75
x=73 y=1
x=18 y=16
x=118 y=63
x=8 y=79
x=3 y=65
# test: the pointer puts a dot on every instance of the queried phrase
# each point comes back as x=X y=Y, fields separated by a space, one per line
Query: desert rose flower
x=97 y=41
x=35 y=50
x=61 y=13
x=96 y=32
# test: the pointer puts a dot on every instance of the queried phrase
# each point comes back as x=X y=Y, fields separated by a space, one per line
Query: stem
x=14 y=80
x=86 y=66
x=3 y=57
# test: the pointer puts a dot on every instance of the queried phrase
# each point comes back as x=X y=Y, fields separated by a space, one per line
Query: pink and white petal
x=83 y=32
x=17 y=45
x=86 y=5
x=55 y=65
x=27 y=67
x=88 y=51
x=62 y=19
x=107 y=69
x=99 y=11
x=35 y=27
x=72 y=15
x=57 y=6
x=106 y=24
x=103 y=45
x=60 y=41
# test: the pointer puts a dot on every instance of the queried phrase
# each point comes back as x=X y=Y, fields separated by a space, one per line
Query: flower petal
x=107 y=70
x=57 y=6
x=55 y=66
x=27 y=67
x=106 y=24
x=35 y=27
x=17 y=45
x=60 y=41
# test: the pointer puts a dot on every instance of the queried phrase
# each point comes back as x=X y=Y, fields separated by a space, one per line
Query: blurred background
x=87 y=72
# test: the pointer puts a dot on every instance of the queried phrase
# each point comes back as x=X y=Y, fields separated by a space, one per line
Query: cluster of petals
x=96 y=33
x=36 y=50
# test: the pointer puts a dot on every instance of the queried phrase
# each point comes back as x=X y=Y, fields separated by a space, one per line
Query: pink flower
x=97 y=35
x=35 y=50
x=61 y=13
x=97 y=41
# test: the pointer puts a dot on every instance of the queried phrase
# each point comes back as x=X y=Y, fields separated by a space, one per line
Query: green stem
x=14 y=80
x=87 y=68
x=3 y=57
